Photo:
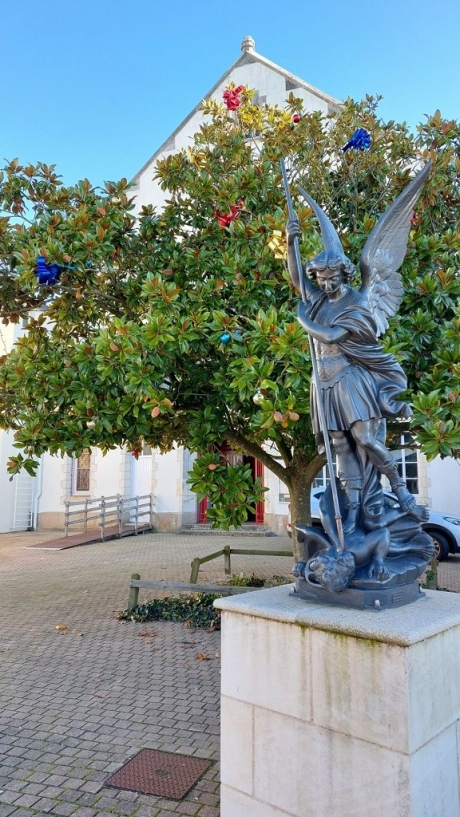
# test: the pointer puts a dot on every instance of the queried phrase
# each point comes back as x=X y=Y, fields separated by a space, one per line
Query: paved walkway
x=77 y=703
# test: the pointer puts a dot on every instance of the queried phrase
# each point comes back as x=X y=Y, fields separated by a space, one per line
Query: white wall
x=107 y=473
x=7 y=488
x=443 y=477
x=55 y=481
x=168 y=481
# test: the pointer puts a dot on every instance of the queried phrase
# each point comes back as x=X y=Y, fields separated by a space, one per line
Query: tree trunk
x=299 y=490
x=297 y=474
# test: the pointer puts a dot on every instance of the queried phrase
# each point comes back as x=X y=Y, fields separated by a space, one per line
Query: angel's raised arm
x=293 y=233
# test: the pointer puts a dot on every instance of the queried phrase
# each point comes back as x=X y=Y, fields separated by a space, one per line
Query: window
x=322 y=478
x=81 y=473
x=406 y=459
x=283 y=493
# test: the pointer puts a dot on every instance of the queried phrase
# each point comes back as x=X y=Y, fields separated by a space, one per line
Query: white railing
x=122 y=513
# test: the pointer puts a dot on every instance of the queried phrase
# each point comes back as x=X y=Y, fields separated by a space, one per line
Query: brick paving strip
x=78 y=703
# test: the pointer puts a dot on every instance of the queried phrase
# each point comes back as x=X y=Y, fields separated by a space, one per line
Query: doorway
x=232 y=457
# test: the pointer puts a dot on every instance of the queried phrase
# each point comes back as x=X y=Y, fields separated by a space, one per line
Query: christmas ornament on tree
x=47 y=274
x=360 y=140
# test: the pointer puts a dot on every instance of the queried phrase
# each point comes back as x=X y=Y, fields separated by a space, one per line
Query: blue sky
x=95 y=86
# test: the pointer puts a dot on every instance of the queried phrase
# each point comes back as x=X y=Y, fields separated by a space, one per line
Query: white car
x=443 y=528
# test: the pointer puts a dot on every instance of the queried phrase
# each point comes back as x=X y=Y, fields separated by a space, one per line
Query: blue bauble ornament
x=47 y=274
x=225 y=338
x=360 y=140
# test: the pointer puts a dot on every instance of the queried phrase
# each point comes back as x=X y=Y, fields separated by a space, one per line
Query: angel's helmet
x=332 y=260
x=333 y=257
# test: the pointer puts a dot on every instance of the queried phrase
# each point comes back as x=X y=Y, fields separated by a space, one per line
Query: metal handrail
x=115 y=509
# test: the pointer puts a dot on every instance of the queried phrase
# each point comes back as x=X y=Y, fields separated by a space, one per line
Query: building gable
x=272 y=84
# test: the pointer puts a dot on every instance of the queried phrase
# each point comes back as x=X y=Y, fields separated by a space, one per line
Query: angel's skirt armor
x=349 y=394
x=358 y=380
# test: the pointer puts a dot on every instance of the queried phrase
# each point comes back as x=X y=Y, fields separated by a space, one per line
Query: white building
x=40 y=502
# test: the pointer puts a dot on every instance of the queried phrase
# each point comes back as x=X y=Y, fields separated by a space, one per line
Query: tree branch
x=255 y=450
x=285 y=452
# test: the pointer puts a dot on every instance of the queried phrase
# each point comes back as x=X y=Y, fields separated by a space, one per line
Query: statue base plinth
x=329 y=711
x=360 y=598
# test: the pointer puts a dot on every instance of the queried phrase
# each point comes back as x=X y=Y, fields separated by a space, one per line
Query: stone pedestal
x=332 y=712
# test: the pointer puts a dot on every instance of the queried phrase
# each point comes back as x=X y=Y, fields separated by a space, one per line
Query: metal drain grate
x=163 y=774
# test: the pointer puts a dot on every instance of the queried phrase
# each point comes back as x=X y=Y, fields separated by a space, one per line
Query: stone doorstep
x=205 y=529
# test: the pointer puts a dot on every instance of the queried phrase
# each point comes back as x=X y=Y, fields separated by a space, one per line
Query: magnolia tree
x=178 y=327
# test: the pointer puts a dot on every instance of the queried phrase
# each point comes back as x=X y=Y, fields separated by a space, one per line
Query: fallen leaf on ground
x=201 y=656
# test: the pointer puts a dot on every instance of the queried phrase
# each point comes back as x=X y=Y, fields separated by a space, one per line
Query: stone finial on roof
x=248 y=44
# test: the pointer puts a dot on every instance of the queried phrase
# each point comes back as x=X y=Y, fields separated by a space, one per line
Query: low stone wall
x=51 y=520
x=173 y=522
x=277 y=523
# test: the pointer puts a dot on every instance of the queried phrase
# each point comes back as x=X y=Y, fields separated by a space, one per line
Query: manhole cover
x=163 y=774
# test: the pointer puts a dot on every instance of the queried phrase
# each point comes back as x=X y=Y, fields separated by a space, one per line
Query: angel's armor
x=358 y=380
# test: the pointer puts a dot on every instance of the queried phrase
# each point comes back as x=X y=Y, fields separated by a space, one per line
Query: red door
x=257 y=471
x=201 y=515
x=260 y=506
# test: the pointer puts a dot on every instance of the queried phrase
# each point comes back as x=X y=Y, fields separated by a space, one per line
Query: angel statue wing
x=384 y=253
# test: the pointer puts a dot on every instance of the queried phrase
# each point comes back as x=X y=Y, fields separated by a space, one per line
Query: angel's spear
x=322 y=417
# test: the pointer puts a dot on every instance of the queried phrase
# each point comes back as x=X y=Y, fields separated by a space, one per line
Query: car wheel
x=441 y=545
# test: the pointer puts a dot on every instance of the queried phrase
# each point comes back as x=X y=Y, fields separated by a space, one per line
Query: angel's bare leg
x=350 y=476
x=380 y=539
x=364 y=433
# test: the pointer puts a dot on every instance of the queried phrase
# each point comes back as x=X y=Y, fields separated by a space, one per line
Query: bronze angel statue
x=359 y=384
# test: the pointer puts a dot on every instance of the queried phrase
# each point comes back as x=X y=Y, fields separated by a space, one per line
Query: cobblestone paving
x=77 y=703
